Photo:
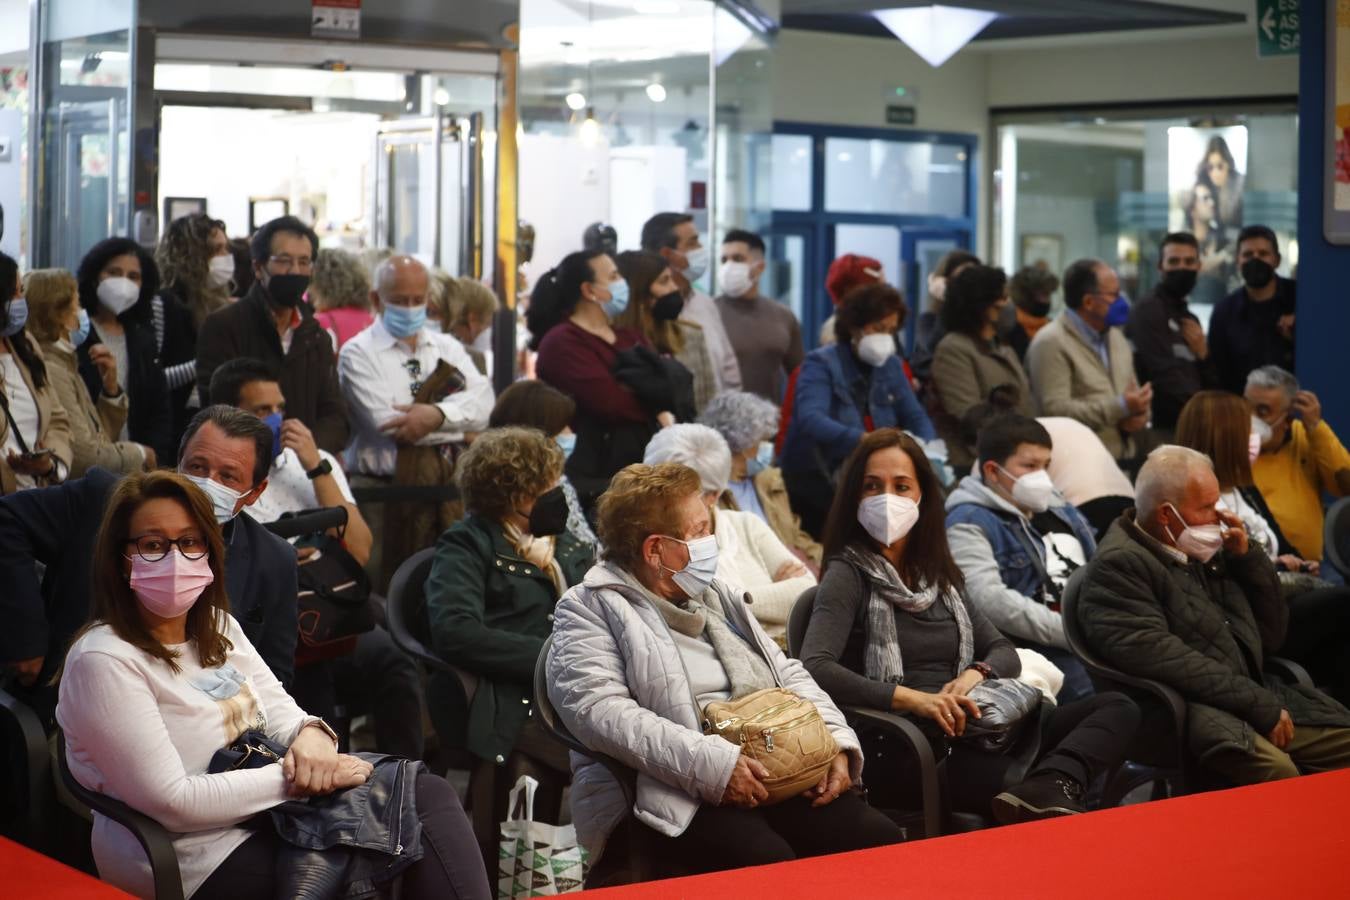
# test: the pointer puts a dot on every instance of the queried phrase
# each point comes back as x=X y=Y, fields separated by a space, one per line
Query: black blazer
x=58 y=526
x=149 y=415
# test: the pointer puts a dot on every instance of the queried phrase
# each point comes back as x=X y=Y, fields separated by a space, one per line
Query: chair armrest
x=920 y=749
x=1171 y=700
x=36 y=762
x=1289 y=670
x=152 y=836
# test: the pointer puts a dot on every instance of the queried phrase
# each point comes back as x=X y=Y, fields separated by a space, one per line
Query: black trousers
x=377 y=678
x=1083 y=740
x=728 y=837
x=451 y=866
x=1319 y=638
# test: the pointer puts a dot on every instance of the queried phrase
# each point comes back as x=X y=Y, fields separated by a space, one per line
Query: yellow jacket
x=1293 y=478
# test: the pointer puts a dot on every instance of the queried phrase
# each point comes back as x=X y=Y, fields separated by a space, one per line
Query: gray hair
x=696 y=446
x=1164 y=477
x=744 y=419
x=388 y=270
x=1274 y=377
x=340 y=278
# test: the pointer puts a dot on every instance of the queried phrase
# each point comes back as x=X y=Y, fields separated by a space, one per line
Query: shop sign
x=1276 y=27
x=335 y=19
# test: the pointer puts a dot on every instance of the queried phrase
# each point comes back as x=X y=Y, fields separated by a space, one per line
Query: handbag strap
x=13 y=426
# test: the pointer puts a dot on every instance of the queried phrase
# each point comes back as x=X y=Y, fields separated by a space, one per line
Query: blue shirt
x=1096 y=339
x=746 y=497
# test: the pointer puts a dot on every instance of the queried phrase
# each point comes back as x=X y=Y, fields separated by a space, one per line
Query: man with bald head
x=1083 y=368
x=1178 y=594
x=273 y=324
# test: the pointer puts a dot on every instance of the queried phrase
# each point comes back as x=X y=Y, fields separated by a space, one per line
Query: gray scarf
x=746 y=668
x=881 y=659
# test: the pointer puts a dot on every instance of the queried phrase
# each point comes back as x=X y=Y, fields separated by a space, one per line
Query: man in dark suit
x=225 y=451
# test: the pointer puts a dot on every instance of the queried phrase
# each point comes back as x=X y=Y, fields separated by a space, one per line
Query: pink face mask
x=1253 y=446
x=170 y=586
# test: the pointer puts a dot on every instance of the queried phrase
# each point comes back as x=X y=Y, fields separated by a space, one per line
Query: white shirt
x=373 y=369
x=702 y=310
x=140 y=733
x=289 y=489
x=23 y=409
x=1258 y=529
x=748 y=556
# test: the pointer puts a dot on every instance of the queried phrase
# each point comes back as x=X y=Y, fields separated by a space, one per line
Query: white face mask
x=118 y=294
x=1253 y=446
x=696 y=263
x=1261 y=430
x=735 y=279
x=887 y=517
x=875 y=349
x=937 y=287
x=698 y=573
x=1034 y=490
x=1199 y=542
x=223 y=499
x=220 y=270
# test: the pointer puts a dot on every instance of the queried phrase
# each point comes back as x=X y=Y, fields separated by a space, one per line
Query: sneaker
x=1039 y=797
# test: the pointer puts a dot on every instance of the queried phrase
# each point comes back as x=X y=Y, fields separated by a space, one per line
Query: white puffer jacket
x=618 y=683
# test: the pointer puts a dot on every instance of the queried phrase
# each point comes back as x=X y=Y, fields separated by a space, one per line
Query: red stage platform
x=24 y=873
x=1288 y=839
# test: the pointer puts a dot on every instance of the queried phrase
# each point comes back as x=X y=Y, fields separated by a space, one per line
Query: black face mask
x=1257 y=273
x=549 y=515
x=1179 y=283
x=1038 y=308
x=668 y=307
x=287 y=290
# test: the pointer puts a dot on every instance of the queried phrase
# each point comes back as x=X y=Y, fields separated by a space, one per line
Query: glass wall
x=1112 y=188
x=14 y=74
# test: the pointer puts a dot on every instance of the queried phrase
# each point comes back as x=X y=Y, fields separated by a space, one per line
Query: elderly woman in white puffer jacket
x=749 y=555
x=647 y=640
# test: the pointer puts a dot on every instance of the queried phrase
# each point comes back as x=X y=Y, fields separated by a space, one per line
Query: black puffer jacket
x=1203 y=630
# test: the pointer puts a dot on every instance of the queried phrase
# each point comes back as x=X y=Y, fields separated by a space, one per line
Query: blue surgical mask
x=699 y=572
x=18 y=317
x=618 y=298
x=273 y=422
x=762 y=460
x=404 y=321
x=568 y=443
x=81 y=332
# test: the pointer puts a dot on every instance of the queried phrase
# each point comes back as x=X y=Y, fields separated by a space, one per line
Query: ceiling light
x=590 y=129
x=935 y=32
x=576 y=101
x=442 y=96
x=656 y=92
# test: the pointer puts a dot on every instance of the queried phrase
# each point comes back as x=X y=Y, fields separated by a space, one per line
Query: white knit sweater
x=144 y=735
x=748 y=555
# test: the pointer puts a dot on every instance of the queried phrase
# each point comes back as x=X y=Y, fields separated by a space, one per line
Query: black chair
x=879 y=730
x=1336 y=537
x=27 y=776
x=151 y=835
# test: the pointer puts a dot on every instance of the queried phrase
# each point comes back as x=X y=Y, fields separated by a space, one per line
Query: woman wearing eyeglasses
x=162 y=678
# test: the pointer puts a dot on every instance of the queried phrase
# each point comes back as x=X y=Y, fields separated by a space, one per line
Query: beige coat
x=695 y=357
x=53 y=425
x=1069 y=379
x=92 y=426
x=964 y=372
x=782 y=520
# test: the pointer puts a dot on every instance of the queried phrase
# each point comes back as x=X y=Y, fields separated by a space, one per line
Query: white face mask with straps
x=888 y=517
x=1034 y=490
x=698 y=573
x=1199 y=542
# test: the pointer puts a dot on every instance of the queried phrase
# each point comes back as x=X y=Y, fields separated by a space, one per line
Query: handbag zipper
x=768 y=733
x=777 y=707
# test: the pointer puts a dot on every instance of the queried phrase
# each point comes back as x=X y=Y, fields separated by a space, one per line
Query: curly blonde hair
x=641 y=501
x=50 y=293
x=341 y=279
x=504 y=466
x=184 y=261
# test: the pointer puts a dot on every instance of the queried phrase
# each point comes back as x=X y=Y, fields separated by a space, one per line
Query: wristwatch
x=986 y=670
x=322 y=726
x=323 y=468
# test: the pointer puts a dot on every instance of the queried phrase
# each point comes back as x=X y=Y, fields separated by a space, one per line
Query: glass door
x=87 y=148
x=921 y=251
x=422 y=192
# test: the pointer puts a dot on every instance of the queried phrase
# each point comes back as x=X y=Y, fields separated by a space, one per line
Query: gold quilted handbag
x=780 y=730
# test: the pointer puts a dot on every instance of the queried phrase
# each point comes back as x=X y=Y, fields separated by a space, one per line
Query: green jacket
x=1203 y=630
x=489 y=612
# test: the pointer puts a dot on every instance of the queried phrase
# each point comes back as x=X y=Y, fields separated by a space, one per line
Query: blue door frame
x=818 y=224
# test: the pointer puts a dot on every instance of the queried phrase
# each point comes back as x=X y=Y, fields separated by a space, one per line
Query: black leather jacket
x=353 y=843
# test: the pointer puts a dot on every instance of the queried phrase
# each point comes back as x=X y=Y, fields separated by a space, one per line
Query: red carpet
x=1288 y=839
x=24 y=873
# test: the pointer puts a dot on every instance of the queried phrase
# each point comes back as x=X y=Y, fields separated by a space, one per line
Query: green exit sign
x=1276 y=27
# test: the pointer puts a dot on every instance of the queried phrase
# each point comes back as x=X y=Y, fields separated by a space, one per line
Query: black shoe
x=1039 y=797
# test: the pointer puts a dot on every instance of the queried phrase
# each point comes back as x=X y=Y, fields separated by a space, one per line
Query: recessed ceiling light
x=576 y=101
x=656 y=92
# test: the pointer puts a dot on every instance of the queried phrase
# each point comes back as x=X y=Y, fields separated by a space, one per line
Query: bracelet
x=326 y=728
x=985 y=670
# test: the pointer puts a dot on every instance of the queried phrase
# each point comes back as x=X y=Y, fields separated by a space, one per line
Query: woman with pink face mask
x=163 y=678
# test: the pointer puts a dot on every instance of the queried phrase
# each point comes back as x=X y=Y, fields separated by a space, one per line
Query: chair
x=151 y=835
x=28 y=773
x=1336 y=537
x=934 y=817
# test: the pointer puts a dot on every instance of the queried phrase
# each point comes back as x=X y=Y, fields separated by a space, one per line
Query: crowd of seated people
x=680 y=479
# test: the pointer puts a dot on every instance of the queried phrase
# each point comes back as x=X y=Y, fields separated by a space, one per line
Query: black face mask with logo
x=549 y=516
x=1257 y=273
x=1179 y=283
x=287 y=290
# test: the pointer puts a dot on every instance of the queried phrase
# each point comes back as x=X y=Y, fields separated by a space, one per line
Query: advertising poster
x=1338 y=115
x=1206 y=169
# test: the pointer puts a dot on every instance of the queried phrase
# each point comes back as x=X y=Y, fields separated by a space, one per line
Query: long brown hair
x=928 y=560
x=115 y=604
x=1219 y=424
x=185 y=263
x=641 y=268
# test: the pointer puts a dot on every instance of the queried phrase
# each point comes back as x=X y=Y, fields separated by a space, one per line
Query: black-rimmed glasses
x=154 y=547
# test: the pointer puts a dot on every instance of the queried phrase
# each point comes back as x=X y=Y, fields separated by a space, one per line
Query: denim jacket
x=827 y=419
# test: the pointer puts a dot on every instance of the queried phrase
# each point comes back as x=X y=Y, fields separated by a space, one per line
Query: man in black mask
x=1169 y=344
x=274 y=324
x=1254 y=325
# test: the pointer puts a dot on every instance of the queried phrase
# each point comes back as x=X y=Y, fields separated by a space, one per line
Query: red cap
x=848 y=272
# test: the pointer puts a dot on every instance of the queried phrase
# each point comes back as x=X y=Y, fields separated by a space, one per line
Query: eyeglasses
x=288 y=264
x=413 y=367
x=154 y=547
